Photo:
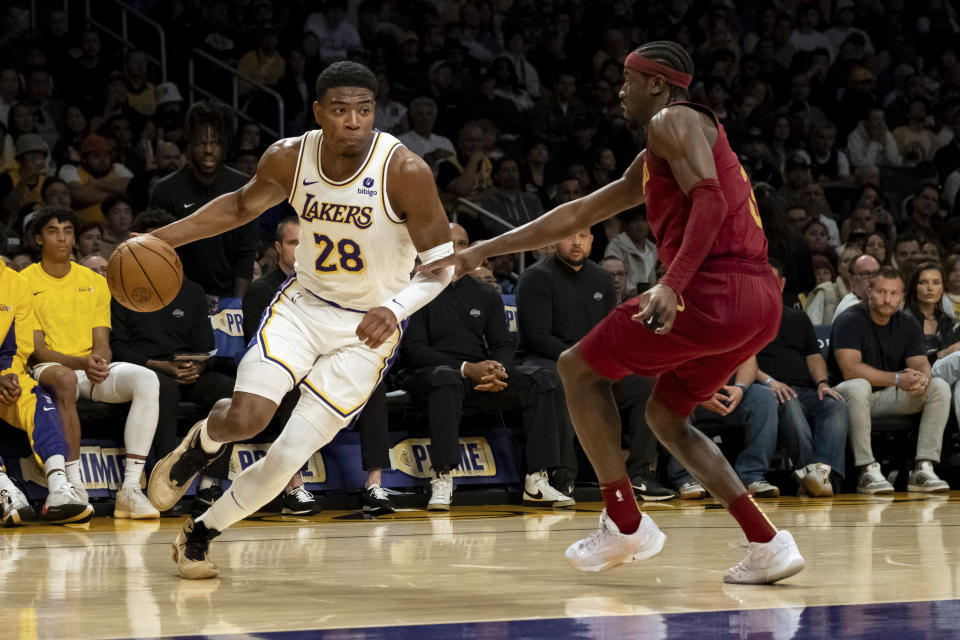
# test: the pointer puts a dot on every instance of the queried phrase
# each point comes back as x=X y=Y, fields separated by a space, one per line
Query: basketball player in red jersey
x=717 y=305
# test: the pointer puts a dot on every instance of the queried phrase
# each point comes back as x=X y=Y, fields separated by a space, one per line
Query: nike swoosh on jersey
x=36 y=293
x=307 y=184
x=187 y=206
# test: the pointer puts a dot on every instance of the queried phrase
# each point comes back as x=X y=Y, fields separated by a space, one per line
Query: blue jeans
x=814 y=430
x=757 y=415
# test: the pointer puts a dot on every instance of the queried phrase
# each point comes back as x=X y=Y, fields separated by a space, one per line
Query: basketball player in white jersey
x=368 y=207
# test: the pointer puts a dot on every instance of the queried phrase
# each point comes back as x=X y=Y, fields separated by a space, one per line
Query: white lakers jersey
x=354 y=251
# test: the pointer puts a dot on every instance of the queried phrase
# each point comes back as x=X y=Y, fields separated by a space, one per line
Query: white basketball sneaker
x=606 y=547
x=131 y=503
x=767 y=562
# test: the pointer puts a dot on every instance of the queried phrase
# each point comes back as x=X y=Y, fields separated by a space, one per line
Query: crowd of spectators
x=845 y=115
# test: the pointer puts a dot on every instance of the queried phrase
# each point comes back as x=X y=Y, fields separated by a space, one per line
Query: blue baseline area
x=902 y=620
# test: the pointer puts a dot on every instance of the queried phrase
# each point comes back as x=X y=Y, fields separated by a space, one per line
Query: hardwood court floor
x=115 y=579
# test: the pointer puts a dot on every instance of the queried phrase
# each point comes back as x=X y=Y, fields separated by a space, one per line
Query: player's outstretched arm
x=413 y=194
x=560 y=222
x=269 y=185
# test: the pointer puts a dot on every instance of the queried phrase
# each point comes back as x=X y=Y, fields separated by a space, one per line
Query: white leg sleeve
x=310 y=427
x=140 y=387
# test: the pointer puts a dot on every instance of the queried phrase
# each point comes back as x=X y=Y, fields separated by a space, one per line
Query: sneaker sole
x=290 y=512
x=81 y=516
x=378 y=511
x=647 y=498
x=18 y=516
x=876 y=492
x=161 y=490
x=438 y=507
x=919 y=489
x=813 y=489
x=130 y=515
x=557 y=504
x=770 y=493
x=213 y=573
x=694 y=496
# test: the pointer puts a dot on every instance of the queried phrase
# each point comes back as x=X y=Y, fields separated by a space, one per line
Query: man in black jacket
x=458 y=353
x=152 y=339
x=221 y=265
x=559 y=300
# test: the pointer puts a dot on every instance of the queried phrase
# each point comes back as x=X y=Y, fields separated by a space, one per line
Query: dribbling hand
x=377 y=325
x=662 y=301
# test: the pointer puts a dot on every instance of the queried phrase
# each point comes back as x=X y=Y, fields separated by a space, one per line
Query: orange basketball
x=144 y=273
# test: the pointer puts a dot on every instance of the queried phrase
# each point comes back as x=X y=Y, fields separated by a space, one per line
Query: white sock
x=208 y=444
x=6 y=484
x=206 y=482
x=73 y=473
x=132 y=470
x=56 y=476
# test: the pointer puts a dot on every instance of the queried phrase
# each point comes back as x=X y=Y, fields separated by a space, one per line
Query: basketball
x=144 y=273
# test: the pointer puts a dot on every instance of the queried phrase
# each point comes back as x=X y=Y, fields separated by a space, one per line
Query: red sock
x=753 y=522
x=621 y=506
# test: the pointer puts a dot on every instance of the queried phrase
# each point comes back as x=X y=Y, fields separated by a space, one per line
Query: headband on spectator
x=651 y=67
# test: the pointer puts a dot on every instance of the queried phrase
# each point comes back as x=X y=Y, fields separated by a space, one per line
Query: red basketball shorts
x=731 y=310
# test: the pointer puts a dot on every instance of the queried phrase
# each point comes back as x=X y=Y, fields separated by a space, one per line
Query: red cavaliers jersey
x=741 y=232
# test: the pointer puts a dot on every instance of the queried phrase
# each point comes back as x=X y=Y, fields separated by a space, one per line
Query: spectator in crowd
x=223 y=264
x=166 y=159
x=787 y=245
x=818 y=239
x=508 y=200
x=951 y=284
x=829 y=165
x=815 y=201
x=48 y=112
x=458 y=354
x=96 y=263
x=618 y=271
x=95 y=178
x=420 y=138
x=117 y=218
x=263 y=65
x=926 y=218
x=30 y=408
x=9 y=88
x=336 y=35
x=559 y=300
x=947 y=157
x=76 y=128
x=634 y=247
x=906 y=253
x=535 y=170
x=89 y=236
x=552 y=117
x=162 y=341
x=170 y=112
x=877 y=245
x=24 y=183
x=823 y=300
x=813 y=416
x=871 y=143
x=941 y=331
x=72 y=356
x=141 y=93
x=915 y=141
x=756 y=159
x=796 y=176
x=751 y=408
x=862 y=272
x=881 y=367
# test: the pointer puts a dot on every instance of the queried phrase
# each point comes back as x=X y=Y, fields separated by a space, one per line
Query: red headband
x=651 y=67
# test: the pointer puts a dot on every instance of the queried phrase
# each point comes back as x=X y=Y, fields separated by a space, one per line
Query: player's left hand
x=660 y=299
x=377 y=325
x=9 y=388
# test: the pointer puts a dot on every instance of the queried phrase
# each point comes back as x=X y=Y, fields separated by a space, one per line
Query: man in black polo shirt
x=559 y=300
x=877 y=351
x=793 y=368
x=223 y=264
x=458 y=353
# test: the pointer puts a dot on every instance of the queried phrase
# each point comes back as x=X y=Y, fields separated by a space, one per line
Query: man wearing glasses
x=863 y=270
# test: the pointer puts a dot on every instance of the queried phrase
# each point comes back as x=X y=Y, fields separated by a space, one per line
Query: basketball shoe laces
x=194 y=460
x=378 y=493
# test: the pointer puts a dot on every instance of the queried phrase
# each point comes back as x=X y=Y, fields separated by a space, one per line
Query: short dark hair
x=671 y=54
x=345 y=74
x=50 y=182
x=283 y=223
x=905 y=237
x=203 y=114
x=46 y=214
x=113 y=200
x=890 y=273
x=87 y=225
x=151 y=219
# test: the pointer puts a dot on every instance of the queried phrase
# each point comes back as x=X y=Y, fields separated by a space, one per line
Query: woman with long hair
x=877 y=245
x=941 y=332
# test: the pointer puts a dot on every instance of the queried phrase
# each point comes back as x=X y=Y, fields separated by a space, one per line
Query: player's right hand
x=463 y=262
x=9 y=388
x=377 y=325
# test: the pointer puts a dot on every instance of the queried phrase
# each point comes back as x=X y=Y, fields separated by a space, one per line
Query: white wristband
x=424 y=287
x=463 y=374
